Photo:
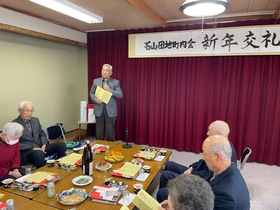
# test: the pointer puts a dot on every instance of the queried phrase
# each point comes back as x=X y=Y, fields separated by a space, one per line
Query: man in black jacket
x=227 y=183
x=34 y=145
x=173 y=169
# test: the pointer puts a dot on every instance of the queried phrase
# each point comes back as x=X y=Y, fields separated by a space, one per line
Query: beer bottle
x=87 y=159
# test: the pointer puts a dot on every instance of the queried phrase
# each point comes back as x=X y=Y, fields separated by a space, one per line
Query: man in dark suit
x=199 y=168
x=227 y=183
x=106 y=114
x=34 y=145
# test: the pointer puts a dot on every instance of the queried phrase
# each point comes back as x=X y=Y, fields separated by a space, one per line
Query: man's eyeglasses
x=28 y=110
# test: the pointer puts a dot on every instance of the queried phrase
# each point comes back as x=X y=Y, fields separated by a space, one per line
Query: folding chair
x=56 y=132
x=244 y=157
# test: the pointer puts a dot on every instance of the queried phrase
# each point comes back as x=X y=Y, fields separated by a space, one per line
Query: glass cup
x=28 y=170
x=125 y=197
x=141 y=175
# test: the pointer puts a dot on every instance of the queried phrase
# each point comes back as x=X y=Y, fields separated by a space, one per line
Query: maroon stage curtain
x=169 y=102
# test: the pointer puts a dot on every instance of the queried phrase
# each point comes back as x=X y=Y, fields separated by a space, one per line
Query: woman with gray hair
x=10 y=155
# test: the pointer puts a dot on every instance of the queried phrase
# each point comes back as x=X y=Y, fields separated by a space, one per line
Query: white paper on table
x=142 y=177
x=23 y=178
x=131 y=197
x=107 y=193
x=159 y=158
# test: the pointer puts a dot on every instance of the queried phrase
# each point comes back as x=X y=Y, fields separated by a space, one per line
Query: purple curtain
x=169 y=102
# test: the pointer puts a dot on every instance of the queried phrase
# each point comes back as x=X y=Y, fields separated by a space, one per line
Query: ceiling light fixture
x=70 y=9
x=204 y=8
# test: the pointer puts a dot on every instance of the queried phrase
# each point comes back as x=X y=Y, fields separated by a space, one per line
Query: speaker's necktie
x=28 y=125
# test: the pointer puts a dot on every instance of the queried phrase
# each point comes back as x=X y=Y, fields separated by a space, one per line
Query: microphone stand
x=126 y=146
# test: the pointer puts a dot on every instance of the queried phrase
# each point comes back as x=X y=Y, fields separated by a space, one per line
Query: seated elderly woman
x=10 y=155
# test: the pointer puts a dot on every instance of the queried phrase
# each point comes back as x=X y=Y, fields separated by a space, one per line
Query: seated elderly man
x=188 y=192
x=173 y=169
x=227 y=183
x=34 y=145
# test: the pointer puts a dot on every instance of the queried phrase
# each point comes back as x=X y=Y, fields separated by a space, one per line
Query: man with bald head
x=220 y=127
x=199 y=168
x=227 y=183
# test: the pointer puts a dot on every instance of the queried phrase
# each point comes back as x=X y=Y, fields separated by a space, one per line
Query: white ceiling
x=135 y=14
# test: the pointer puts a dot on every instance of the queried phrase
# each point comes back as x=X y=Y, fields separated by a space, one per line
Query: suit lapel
x=26 y=131
x=219 y=177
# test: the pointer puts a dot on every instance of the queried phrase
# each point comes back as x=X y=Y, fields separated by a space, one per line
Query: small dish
x=35 y=187
x=163 y=152
x=82 y=180
x=137 y=187
x=137 y=161
x=77 y=149
x=50 y=163
x=147 y=168
x=7 y=182
x=103 y=166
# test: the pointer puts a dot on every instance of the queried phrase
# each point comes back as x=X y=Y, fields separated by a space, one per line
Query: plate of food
x=114 y=158
x=82 y=180
x=7 y=182
x=137 y=161
x=103 y=165
x=72 y=196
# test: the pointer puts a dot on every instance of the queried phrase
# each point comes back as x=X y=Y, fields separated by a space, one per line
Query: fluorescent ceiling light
x=204 y=8
x=70 y=9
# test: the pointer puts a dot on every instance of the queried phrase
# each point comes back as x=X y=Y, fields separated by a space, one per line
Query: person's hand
x=15 y=173
x=98 y=100
x=107 y=88
x=164 y=205
x=43 y=148
x=38 y=148
x=189 y=170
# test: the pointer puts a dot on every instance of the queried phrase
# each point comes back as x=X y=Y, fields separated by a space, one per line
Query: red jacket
x=9 y=157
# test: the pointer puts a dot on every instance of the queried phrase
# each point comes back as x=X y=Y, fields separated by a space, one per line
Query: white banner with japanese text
x=253 y=40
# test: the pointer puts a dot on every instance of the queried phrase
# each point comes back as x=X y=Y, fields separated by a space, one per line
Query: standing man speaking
x=106 y=114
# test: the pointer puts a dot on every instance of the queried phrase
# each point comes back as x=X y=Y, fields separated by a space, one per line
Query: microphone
x=104 y=82
x=126 y=146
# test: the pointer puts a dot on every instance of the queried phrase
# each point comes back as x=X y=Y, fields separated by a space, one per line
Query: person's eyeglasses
x=28 y=110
